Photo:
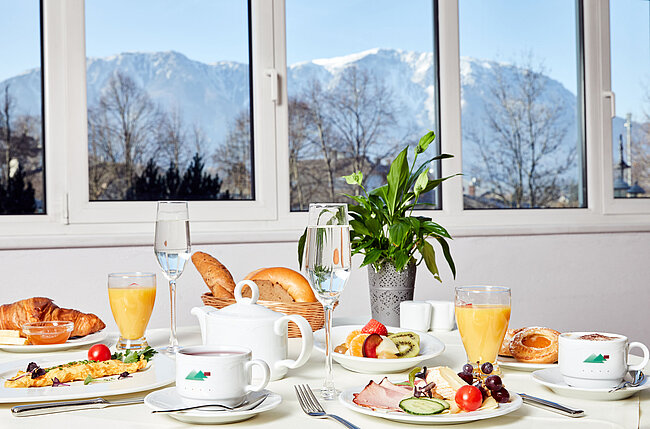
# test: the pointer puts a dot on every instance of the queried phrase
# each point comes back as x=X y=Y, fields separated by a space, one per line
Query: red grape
x=501 y=396
x=493 y=382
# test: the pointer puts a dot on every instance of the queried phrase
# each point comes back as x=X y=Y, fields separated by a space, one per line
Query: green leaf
x=433 y=228
x=421 y=183
x=424 y=142
x=359 y=227
x=401 y=258
x=354 y=178
x=397 y=232
x=447 y=253
x=301 y=247
x=371 y=257
x=414 y=371
x=425 y=166
x=396 y=177
x=429 y=256
x=88 y=380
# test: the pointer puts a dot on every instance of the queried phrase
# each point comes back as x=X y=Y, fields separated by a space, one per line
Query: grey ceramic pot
x=388 y=288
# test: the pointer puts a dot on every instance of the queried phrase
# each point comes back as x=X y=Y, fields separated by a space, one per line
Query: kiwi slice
x=406 y=347
x=412 y=335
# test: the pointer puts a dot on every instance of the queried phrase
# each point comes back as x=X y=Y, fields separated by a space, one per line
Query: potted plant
x=385 y=232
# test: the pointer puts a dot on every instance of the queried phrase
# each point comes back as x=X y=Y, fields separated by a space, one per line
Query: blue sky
x=208 y=31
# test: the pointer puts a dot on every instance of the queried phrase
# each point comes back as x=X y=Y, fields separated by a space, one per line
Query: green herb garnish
x=88 y=380
x=132 y=356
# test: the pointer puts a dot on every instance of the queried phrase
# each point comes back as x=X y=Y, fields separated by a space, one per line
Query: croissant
x=40 y=309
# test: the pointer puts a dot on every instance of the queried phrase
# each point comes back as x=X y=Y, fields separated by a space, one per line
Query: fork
x=312 y=407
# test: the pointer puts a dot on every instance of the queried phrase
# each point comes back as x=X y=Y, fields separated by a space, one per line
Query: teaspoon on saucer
x=243 y=407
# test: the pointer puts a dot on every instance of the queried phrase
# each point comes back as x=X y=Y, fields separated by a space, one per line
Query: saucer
x=512 y=363
x=552 y=378
x=169 y=398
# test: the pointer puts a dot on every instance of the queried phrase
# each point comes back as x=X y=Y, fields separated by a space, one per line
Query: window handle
x=612 y=101
x=273 y=74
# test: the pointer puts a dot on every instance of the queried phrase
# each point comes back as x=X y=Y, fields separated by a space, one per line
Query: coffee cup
x=596 y=360
x=442 y=315
x=218 y=373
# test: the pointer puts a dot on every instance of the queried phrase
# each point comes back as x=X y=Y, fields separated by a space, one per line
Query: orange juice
x=132 y=309
x=482 y=328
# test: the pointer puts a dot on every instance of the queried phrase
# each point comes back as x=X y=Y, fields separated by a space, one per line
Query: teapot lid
x=247 y=308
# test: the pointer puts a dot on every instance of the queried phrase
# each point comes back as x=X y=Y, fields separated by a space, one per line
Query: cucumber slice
x=440 y=401
x=421 y=406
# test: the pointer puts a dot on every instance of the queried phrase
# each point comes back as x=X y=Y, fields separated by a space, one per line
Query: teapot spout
x=201 y=313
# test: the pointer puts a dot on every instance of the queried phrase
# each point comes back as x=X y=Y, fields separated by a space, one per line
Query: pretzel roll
x=505 y=346
x=535 y=345
x=291 y=281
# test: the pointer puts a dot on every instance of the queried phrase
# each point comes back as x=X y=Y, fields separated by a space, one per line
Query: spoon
x=245 y=406
x=637 y=379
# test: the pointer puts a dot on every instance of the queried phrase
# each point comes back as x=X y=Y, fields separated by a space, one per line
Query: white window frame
x=72 y=220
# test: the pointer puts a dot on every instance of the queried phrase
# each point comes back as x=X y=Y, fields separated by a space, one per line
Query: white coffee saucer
x=552 y=378
x=169 y=398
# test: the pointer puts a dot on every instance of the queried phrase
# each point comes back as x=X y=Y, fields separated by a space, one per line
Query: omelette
x=74 y=371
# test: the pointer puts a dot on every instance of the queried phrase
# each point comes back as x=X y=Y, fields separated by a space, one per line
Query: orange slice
x=351 y=336
x=356 y=345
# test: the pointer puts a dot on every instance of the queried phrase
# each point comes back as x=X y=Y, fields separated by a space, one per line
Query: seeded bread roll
x=215 y=275
x=275 y=282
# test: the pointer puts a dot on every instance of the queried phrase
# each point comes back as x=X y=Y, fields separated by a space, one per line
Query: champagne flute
x=327 y=264
x=172 y=249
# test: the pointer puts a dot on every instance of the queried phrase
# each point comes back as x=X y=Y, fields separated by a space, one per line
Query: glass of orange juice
x=132 y=296
x=482 y=316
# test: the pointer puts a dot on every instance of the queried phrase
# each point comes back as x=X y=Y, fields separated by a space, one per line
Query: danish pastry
x=535 y=345
x=507 y=339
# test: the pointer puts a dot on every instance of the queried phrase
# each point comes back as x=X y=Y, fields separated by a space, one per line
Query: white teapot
x=251 y=325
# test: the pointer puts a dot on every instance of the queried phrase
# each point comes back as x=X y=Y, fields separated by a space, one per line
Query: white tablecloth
x=630 y=413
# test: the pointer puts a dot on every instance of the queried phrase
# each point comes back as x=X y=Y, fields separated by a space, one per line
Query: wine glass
x=172 y=249
x=482 y=316
x=327 y=264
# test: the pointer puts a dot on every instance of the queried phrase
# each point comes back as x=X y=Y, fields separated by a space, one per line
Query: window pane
x=521 y=104
x=22 y=187
x=630 y=56
x=362 y=85
x=169 y=110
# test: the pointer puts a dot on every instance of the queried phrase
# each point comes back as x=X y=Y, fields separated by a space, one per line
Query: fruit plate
x=347 y=396
x=430 y=347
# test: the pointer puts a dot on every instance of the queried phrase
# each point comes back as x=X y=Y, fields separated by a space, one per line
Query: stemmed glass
x=327 y=265
x=172 y=249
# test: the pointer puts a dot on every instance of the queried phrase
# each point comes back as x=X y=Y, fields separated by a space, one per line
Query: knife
x=551 y=406
x=59 y=407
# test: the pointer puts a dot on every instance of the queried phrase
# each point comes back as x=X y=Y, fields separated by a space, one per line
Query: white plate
x=75 y=342
x=552 y=378
x=347 y=396
x=512 y=363
x=430 y=347
x=160 y=372
x=168 y=398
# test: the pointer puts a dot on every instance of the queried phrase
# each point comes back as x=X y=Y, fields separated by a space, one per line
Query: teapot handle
x=255 y=292
x=280 y=328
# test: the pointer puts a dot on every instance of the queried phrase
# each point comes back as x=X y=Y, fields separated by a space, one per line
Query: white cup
x=415 y=315
x=217 y=373
x=443 y=318
x=596 y=360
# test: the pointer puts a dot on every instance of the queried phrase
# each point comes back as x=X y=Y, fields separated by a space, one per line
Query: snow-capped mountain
x=211 y=95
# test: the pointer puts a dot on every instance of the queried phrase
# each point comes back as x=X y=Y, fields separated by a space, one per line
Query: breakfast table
x=633 y=412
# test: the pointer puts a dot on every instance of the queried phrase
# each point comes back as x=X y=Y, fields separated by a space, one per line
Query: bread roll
x=215 y=275
x=291 y=281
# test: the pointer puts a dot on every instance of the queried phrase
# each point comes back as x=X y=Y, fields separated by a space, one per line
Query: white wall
x=567 y=282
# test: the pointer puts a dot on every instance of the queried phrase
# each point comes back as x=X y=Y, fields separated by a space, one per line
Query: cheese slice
x=489 y=404
x=447 y=381
x=9 y=333
x=13 y=341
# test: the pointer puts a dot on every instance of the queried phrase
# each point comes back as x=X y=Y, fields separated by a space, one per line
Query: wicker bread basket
x=312 y=311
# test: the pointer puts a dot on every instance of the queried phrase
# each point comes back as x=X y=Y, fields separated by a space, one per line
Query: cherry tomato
x=469 y=398
x=99 y=352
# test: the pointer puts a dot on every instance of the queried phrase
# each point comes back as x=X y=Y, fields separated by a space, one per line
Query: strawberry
x=374 y=327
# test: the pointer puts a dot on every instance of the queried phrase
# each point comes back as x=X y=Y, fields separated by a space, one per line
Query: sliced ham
x=377 y=396
x=407 y=390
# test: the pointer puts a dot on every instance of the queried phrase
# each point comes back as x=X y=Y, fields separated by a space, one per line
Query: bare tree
x=234 y=157
x=522 y=153
x=122 y=129
x=363 y=115
x=172 y=138
x=6 y=112
x=300 y=126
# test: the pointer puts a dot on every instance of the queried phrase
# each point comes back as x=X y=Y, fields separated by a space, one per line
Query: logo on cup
x=594 y=358
x=197 y=375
